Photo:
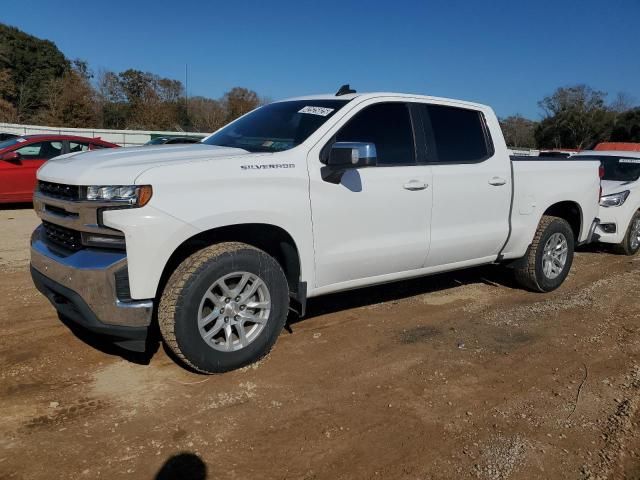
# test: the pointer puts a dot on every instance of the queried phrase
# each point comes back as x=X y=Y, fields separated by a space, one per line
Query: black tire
x=626 y=247
x=530 y=273
x=178 y=311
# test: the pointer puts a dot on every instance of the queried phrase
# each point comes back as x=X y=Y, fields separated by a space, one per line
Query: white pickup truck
x=217 y=241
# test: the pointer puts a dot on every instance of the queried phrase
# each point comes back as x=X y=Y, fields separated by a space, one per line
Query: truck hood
x=121 y=166
x=610 y=186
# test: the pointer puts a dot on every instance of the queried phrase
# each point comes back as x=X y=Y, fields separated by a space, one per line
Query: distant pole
x=186 y=90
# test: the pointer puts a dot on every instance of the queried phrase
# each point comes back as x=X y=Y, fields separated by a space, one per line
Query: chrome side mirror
x=352 y=155
x=344 y=156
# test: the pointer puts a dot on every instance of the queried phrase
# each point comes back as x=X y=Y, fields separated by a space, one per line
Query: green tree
x=627 y=127
x=575 y=117
x=38 y=84
x=32 y=64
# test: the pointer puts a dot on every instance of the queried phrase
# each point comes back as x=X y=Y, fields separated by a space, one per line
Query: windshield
x=10 y=142
x=617 y=169
x=277 y=126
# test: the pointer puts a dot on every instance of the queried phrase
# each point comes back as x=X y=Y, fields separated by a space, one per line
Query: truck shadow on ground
x=106 y=344
x=493 y=275
x=595 y=248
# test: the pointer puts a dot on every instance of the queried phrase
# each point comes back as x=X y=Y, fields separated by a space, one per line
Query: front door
x=376 y=220
x=19 y=176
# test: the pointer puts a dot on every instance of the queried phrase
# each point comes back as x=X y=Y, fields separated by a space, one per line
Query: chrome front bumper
x=82 y=285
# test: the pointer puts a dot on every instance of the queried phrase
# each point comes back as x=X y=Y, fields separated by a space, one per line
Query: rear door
x=21 y=178
x=471 y=187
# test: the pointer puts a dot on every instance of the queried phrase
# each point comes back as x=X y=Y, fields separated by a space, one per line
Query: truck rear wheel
x=549 y=258
x=631 y=243
x=224 y=307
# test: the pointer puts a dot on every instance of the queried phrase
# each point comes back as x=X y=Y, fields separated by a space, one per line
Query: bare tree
x=70 y=100
x=8 y=112
x=206 y=115
x=7 y=87
x=518 y=131
x=239 y=101
x=24 y=102
x=623 y=102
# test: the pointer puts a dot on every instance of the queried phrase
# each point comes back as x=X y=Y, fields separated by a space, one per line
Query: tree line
x=39 y=85
x=575 y=117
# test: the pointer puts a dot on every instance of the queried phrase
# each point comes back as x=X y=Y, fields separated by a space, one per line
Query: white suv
x=620 y=201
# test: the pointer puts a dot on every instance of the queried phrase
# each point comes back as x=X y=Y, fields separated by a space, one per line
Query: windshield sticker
x=629 y=160
x=322 y=111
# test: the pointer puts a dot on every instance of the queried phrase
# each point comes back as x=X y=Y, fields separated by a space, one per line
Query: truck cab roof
x=407 y=96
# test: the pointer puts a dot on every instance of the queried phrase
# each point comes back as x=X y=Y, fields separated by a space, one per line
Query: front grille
x=60 y=211
x=59 y=190
x=65 y=237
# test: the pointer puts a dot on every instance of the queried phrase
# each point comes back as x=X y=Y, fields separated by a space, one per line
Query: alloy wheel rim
x=554 y=257
x=234 y=311
x=635 y=234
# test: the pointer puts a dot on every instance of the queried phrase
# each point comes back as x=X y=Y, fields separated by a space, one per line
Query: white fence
x=526 y=152
x=126 y=138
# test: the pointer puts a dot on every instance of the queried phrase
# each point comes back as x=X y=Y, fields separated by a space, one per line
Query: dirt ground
x=456 y=376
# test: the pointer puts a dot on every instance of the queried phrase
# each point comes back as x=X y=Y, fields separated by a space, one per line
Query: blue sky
x=508 y=54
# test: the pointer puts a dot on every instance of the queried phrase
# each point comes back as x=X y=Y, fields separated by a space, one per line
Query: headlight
x=134 y=195
x=614 y=200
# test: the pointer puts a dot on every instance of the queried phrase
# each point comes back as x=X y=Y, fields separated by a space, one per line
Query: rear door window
x=616 y=169
x=78 y=147
x=459 y=135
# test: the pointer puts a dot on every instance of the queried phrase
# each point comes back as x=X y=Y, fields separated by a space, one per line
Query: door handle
x=414 y=185
x=497 y=181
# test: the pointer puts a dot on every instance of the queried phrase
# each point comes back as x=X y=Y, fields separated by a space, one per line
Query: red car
x=21 y=157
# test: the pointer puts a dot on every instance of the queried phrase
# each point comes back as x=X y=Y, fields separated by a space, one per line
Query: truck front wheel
x=224 y=307
x=549 y=258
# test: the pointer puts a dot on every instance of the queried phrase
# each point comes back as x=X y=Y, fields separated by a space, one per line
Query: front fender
x=151 y=237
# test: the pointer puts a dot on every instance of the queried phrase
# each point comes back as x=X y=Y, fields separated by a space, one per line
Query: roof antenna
x=344 y=90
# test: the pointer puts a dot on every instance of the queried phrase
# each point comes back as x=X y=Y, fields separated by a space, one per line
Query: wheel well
x=271 y=239
x=571 y=212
